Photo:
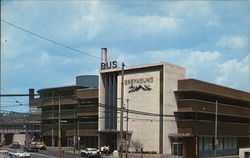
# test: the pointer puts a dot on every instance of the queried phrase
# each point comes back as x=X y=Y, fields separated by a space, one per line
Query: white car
x=90 y=152
x=19 y=154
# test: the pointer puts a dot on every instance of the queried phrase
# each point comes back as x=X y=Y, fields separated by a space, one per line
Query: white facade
x=150 y=89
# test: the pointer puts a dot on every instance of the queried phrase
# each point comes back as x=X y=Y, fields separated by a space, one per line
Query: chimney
x=104 y=55
x=31 y=94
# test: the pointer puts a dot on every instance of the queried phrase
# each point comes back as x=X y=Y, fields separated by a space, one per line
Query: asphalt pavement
x=68 y=153
x=42 y=154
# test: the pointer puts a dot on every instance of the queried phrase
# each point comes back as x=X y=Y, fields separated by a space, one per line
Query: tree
x=137 y=145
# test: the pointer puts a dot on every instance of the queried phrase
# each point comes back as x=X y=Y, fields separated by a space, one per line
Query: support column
x=2 y=138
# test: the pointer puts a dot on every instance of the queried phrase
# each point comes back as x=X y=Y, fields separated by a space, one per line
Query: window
x=226 y=143
x=208 y=145
x=234 y=143
x=220 y=145
x=201 y=142
x=176 y=146
x=89 y=141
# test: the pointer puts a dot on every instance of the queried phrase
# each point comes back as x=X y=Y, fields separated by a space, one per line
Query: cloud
x=198 y=57
x=213 y=22
x=44 y=58
x=152 y=24
x=235 y=73
x=189 y=9
x=233 y=42
x=199 y=12
x=208 y=66
x=101 y=18
x=169 y=31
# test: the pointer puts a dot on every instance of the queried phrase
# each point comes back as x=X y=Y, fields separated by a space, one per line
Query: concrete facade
x=171 y=76
x=145 y=129
x=150 y=89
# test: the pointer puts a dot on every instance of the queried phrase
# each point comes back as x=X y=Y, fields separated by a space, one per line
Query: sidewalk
x=133 y=155
x=164 y=156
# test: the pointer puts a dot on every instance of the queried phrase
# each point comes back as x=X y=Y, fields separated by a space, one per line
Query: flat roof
x=212 y=88
x=62 y=87
x=139 y=67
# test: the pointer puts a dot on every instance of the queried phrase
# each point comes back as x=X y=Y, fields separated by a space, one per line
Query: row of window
x=85 y=141
x=224 y=143
x=21 y=127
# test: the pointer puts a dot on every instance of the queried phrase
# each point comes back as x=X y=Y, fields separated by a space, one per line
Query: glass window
x=226 y=143
x=234 y=143
x=208 y=145
x=230 y=143
x=176 y=149
x=201 y=143
x=220 y=145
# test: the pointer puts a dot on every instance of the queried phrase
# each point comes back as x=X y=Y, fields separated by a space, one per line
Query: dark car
x=15 y=145
x=31 y=148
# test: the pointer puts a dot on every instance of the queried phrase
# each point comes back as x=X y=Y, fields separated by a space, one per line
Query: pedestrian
x=141 y=152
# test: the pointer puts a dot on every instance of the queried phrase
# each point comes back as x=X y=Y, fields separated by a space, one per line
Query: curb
x=31 y=153
x=42 y=155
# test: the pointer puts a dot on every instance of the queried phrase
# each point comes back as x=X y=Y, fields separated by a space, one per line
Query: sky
x=209 y=38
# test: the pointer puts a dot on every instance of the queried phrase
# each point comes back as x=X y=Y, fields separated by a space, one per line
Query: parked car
x=31 y=148
x=40 y=145
x=15 y=145
x=90 y=152
x=3 y=152
x=19 y=154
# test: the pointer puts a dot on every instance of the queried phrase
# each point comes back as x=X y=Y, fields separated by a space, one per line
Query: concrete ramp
x=20 y=138
x=244 y=153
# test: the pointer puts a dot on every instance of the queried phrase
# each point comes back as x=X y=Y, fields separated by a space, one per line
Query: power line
x=9 y=101
x=131 y=111
x=8 y=111
x=50 y=40
x=21 y=105
x=14 y=100
x=134 y=111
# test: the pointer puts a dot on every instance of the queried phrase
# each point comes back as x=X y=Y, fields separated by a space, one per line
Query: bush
x=137 y=145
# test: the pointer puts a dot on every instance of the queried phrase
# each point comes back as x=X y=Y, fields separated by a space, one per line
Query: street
x=41 y=154
x=53 y=154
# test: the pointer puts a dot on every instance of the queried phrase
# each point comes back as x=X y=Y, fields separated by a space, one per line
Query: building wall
x=158 y=98
x=193 y=84
x=171 y=76
x=79 y=110
x=196 y=116
x=145 y=128
x=87 y=81
x=101 y=94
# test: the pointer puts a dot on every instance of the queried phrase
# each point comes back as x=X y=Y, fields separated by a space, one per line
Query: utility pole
x=77 y=139
x=127 y=130
x=59 y=129
x=74 y=137
x=121 y=113
x=52 y=134
x=215 y=132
